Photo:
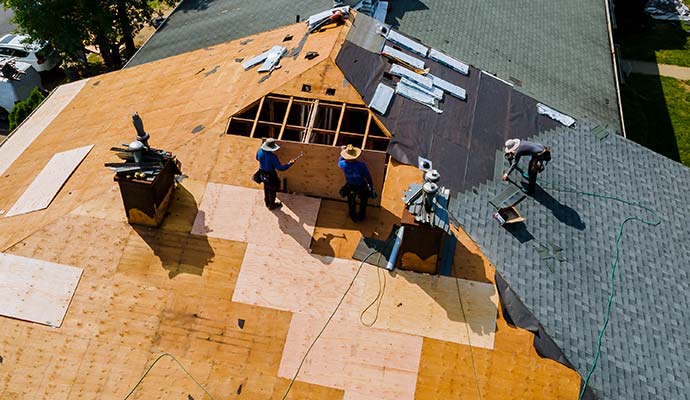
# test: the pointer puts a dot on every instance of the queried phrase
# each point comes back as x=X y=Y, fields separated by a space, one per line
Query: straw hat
x=512 y=145
x=350 y=153
x=270 y=145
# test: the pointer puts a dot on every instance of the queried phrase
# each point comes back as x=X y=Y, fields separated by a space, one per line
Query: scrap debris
x=311 y=55
x=140 y=160
x=336 y=15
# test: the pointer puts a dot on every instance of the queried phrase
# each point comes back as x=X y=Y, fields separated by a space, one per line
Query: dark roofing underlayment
x=463 y=140
x=197 y=24
x=559 y=261
x=558 y=50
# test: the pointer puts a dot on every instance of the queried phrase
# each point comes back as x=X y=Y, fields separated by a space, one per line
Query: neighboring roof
x=559 y=261
x=146 y=291
x=198 y=24
x=559 y=51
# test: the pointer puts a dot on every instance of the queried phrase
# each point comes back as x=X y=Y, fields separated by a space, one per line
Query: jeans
x=271 y=186
x=355 y=192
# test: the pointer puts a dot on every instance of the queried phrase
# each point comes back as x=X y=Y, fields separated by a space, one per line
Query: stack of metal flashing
x=416 y=83
x=140 y=160
x=427 y=201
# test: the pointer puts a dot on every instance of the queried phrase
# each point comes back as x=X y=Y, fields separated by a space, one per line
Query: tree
x=22 y=109
x=70 y=25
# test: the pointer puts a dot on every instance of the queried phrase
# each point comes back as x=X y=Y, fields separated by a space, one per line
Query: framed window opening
x=307 y=120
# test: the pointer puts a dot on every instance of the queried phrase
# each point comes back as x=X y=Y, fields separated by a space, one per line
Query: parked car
x=20 y=47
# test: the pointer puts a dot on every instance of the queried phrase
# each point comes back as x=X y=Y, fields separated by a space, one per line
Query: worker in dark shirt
x=268 y=164
x=538 y=153
x=358 y=182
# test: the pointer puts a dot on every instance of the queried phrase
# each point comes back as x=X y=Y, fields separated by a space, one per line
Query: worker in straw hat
x=268 y=164
x=358 y=182
x=540 y=156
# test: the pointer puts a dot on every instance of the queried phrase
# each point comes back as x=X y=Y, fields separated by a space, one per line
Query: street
x=5 y=25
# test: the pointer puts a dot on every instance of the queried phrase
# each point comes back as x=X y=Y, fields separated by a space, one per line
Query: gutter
x=616 y=69
x=154 y=33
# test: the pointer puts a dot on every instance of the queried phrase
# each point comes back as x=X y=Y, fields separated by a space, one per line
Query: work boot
x=275 y=206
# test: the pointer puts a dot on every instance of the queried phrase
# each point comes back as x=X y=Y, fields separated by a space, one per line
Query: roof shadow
x=398 y=9
x=455 y=305
x=646 y=113
x=178 y=251
x=562 y=212
x=194 y=5
x=295 y=228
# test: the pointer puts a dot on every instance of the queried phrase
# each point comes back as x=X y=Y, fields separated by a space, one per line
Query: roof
x=557 y=52
x=559 y=261
x=198 y=24
x=461 y=141
x=147 y=291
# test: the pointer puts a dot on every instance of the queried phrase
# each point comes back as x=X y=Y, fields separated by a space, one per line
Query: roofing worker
x=358 y=182
x=540 y=154
x=268 y=164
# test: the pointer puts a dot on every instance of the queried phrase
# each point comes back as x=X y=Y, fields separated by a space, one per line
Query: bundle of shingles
x=140 y=160
x=416 y=83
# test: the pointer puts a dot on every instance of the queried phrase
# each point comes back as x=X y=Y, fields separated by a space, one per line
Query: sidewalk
x=650 y=68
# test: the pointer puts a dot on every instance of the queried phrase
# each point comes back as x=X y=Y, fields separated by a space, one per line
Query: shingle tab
x=197 y=24
x=561 y=269
x=558 y=50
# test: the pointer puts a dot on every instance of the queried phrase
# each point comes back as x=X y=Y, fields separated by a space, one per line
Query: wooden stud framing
x=312 y=118
x=340 y=123
x=366 y=131
x=285 y=118
x=256 y=119
x=271 y=116
x=227 y=126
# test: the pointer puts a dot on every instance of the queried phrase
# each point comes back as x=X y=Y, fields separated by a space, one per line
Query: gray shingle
x=644 y=353
x=559 y=50
x=197 y=24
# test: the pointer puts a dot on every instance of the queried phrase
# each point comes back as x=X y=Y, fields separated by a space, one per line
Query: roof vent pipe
x=432 y=176
x=142 y=136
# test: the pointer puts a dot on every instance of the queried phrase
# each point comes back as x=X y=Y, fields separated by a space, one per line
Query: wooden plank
x=366 y=131
x=285 y=118
x=366 y=363
x=22 y=137
x=340 y=124
x=318 y=174
x=288 y=280
x=239 y=214
x=35 y=290
x=48 y=183
x=256 y=118
x=312 y=118
x=429 y=306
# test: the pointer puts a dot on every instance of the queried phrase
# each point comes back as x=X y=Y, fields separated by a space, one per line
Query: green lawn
x=663 y=42
x=657 y=114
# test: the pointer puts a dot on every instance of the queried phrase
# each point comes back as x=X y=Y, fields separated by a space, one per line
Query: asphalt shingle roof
x=559 y=261
x=196 y=24
x=559 y=50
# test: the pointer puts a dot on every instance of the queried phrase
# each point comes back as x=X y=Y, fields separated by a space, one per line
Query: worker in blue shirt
x=539 y=156
x=268 y=164
x=358 y=183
